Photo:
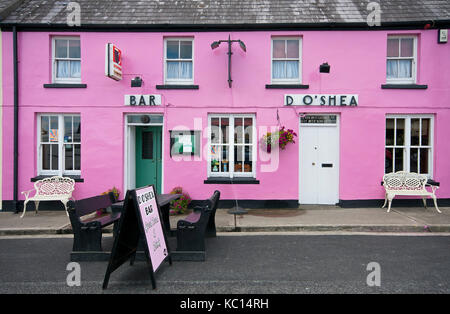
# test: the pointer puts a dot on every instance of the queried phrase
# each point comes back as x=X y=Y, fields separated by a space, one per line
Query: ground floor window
x=59 y=144
x=409 y=144
x=231 y=145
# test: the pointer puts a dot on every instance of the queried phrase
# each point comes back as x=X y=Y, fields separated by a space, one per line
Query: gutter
x=16 y=121
x=403 y=25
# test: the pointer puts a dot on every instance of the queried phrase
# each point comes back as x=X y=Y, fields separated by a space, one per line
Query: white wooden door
x=319 y=159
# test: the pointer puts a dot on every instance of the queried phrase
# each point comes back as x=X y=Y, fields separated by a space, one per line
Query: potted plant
x=282 y=137
x=180 y=205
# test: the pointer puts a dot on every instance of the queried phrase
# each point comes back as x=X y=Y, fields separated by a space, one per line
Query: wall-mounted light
x=216 y=44
x=324 y=68
x=136 y=82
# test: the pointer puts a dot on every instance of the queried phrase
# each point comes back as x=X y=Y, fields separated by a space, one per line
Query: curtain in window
x=186 y=70
x=285 y=69
x=68 y=69
x=399 y=68
x=179 y=70
x=75 y=69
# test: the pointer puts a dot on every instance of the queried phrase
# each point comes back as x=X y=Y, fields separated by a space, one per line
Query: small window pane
x=424 y=160
x=147 y=145
x=63 y=69
x=248 y=159
x=248 y=131
x=75 y=69
x=224 y=125
x=225 y=165
x=399 y=159
x=77 y=157
x=186 y=50
x=44 y=128
x=185 y=70
x=238 y=130
x=392 y=47
x=390 y=132
x=74 y=49
x=425 y=132
x=215 y=158
x=76 y=129
x=54 y=156
x=172 y=49
x=68 y=153
x=414 y=155
x=291 y=69
x=415 y=131
x=392 y=68
x=173 y=69
x=292 y=48
x=388 y=164
x=400 y=139
x=279 y=69
x=61 y=48
x=238 y=158
x=279 y=49
x=406 y=49
x=68 y=135
x=46 y=151
x=215 y=130
x=404 y=68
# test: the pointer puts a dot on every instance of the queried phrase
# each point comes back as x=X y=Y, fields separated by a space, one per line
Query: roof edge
x=421 y=24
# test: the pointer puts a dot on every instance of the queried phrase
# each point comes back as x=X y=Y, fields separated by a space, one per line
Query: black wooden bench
x=192 y=230
x=87 y=233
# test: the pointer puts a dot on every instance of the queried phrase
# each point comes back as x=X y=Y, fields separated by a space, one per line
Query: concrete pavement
x=308 y=218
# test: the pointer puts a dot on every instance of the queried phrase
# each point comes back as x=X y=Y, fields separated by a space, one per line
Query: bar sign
x=142 y=100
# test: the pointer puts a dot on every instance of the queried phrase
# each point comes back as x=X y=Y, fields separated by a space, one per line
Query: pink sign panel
x=151 y=222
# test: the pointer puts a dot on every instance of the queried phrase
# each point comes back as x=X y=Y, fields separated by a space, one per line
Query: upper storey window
x=178 y=61
x=66 y=60
x=286 y=60
x=401 y=62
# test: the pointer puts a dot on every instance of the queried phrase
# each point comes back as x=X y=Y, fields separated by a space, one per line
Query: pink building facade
x=384 y=106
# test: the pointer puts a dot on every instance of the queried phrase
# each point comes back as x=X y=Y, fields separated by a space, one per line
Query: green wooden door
x=148 y=157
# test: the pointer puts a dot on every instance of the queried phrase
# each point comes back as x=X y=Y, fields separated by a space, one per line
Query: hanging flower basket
x=282 y=137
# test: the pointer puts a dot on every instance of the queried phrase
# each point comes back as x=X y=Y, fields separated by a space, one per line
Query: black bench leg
x=132 y=259
x=190 y=239
x=87 y=240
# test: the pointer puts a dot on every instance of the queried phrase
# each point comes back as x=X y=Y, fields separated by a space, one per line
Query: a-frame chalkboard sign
x=140 y=215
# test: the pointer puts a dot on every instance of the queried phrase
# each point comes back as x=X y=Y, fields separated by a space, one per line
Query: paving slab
x=44 y=222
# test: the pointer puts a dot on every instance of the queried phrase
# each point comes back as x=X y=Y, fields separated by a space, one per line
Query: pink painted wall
x=358 y=66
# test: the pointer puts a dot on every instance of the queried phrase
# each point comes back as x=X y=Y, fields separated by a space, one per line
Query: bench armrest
x=27 y=193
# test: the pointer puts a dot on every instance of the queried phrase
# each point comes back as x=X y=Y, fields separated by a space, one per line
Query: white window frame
x=407 y=143
x=54 y=60
x=231 y=144
x=413 y=78
x=287 y=81
x=178 y=81
x=61 y=151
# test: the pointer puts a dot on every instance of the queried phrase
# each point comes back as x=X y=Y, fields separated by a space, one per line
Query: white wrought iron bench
x=50 y=189
x=407 y=183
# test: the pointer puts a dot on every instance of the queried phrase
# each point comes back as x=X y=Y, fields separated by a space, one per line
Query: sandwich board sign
x=140 y=215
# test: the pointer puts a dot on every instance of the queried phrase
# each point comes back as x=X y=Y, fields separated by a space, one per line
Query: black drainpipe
x=16 y=121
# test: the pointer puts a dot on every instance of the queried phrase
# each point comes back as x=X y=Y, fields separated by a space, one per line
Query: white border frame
x=232 y=174
x=407 y=146
x=338 y=125
x=53 y=61
x=178 y=81
x=413 y=79
x=300 y=61
x=130 y=163
x=61 y=156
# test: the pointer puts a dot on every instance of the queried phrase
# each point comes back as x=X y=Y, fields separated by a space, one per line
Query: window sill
x=286 y=86
x=168 y=86
x=40 y=177
x=403 y=86
x=223 y=180
x=65 y=85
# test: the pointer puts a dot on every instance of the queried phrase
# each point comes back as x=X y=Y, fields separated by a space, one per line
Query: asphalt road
x=244 y=264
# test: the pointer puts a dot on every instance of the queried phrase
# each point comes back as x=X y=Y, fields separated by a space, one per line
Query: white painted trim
x=413 y=79
x=129 y=165
x=53 y=61
x=178 y=81
x=287 y=81
x=338 y=162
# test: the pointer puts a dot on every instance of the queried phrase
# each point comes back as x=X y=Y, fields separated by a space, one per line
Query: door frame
x=129 y=165
x=338 y=126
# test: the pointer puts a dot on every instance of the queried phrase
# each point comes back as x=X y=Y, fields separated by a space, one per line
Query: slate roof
x=225 y=12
